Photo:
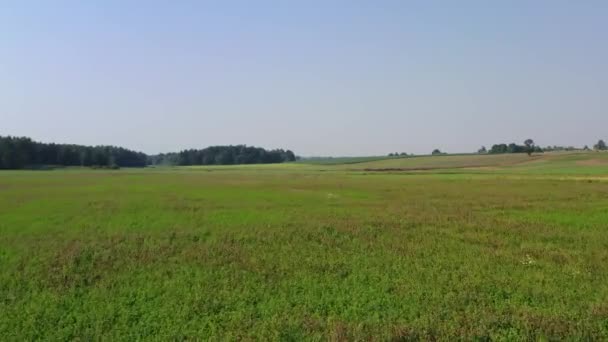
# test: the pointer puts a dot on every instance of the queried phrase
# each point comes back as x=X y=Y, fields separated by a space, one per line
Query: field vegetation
x=500 y=247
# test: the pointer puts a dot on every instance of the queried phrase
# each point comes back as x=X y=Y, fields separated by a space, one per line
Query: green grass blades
x=294 y=252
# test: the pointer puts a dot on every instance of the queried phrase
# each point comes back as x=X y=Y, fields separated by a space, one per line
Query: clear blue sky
x=319 y=77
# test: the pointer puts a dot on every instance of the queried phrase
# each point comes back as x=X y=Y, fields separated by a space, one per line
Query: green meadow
x=470 y=247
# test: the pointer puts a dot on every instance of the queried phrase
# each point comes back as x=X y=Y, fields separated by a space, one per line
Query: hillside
x=555 y=162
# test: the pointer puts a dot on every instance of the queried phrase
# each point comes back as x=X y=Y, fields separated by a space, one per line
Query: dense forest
x=21 y=152
x=224 y=155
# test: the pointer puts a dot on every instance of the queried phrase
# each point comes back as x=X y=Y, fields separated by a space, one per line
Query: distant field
x=344 y=160
x=505 y=247
x=448 y=161
x=557 y=162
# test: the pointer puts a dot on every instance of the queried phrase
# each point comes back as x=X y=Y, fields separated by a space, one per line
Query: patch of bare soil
x=592 y=162
x=426 y=168
x=485 y=168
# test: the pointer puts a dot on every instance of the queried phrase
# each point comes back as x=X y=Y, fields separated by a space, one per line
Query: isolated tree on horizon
x=600 y=146
x=482 y=150
x=529 y=146
x=436 y=152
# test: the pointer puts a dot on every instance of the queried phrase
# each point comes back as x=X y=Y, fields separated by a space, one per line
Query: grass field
x=346 y=160
x=470 y=247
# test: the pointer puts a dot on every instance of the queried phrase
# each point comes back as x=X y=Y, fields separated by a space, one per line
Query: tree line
x=23 y=152
x=224 y=155
x=529 y=147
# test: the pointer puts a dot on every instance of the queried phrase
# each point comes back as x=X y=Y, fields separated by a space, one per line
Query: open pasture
x=475 y=247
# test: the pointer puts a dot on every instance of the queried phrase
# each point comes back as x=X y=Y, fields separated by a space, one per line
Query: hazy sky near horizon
x=318 y=77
